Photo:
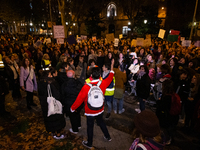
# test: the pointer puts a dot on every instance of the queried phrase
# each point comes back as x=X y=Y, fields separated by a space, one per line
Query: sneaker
x=59 y=137
x=70 y=130
x=115 y=111
x=108 y=139
x=138 y=110
x=123 y=110
x=107 y=116
x=33 y=104
x=85 y=143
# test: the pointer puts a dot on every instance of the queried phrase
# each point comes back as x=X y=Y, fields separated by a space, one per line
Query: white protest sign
x=140 y=42
x=133 y=43
x=116 y=42
x=84 y=37
x=79 y=39
x=59 y=32
x=48 y=40
x=147 y=42
x=120 y=36
x=186 y=43
x=161 y=33
x=60 y=41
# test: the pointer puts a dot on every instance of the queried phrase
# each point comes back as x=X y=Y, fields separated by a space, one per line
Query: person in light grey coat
x=28 y=81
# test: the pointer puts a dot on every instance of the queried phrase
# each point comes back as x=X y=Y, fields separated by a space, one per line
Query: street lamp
x=42 y=25
x=163 y=7
x=31 y=24
x=74 y=24
x=66 y=23
x=145 y=21
x=129 y=23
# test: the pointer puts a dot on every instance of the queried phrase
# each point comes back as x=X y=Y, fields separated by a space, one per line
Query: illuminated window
x=125 y=30
x=111 y=10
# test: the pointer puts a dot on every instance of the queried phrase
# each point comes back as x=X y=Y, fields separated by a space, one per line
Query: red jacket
x=83 y=96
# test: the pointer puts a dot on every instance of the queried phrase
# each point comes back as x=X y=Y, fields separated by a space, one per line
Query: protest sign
x=120 y=36
x=110 y=37
x=48 y=40
x=147 y=42
x=84 y=37
x=60 y=41
x=79 y=39
x=59 y=32
x=148 y=36
x=116 y=42
x=94 y=39
x=186 y=43
x=140 y=42
x=38 y=43
x=133 y=43
x=49 y=24
x=182 y=38
x=161 y=34
x=197 y=44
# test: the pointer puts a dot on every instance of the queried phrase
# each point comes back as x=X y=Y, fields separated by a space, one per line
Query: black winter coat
x=70 y=90
x=54 y=122
x=143 y=86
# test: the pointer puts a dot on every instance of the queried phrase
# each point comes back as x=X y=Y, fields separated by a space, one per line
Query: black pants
x=189 y=111
x=2 y=104
x=16 y=89
x=75 y=119
x=90 y=126
x=29 y=98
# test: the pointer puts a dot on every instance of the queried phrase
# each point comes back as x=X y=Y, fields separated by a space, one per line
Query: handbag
x=27 y=79
x=54 y=106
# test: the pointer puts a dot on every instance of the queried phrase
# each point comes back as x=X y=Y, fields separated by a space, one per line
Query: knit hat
x=147 y=123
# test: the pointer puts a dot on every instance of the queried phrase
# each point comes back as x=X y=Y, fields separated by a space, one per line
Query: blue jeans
x=121 y=102
x=142 y=103
x=108 y=100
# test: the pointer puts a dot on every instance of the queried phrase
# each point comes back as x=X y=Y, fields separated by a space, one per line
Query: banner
x=174 y=32
x=94 y=39
x=172 y=38
x=161 y=34
x=147 y=42
x=133 y=43
x=120 y=36
x=186 y=43
x=116 y=42
x=60 y=41
x=59 y=32
x=110 y=37
x=140 y=42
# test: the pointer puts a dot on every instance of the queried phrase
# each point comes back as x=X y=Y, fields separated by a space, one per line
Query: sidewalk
x=120 y=140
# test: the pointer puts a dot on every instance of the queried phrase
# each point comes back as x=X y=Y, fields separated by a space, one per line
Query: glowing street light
x=129 y=23
x=163 y=7
x=74 y=24
x=31 y=24
x=66 y=23
x=145 y=21
x=42 y=25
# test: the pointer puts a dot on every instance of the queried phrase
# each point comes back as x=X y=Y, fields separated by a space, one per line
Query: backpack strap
x=140 y=145
x=89 y=84
x=99 y=83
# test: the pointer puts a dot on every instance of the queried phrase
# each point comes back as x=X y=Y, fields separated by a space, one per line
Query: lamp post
x=195 y=10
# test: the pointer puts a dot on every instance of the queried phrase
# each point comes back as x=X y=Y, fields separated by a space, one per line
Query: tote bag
x=54 y=106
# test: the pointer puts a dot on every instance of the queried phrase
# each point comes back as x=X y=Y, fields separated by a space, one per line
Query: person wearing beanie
x=147 y=132
x=70 y=90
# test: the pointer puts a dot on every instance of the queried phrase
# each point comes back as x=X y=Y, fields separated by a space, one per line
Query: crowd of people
x=167 y=69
